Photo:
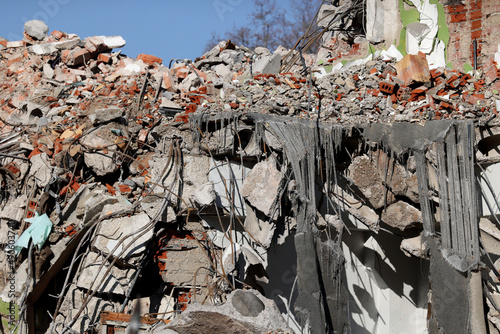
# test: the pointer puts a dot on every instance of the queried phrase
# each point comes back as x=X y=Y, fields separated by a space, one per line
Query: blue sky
x=165 y=28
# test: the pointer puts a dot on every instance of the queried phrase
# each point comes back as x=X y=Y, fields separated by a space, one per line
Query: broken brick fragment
x=124 y=189
x=464 y=79
x=149 y=59
x=446 y=105
x=474 y=99
x=418 y=93
x=436 y=73
x=104 y=57
x=58 y=34
x=387 y=87
x=191 y=108
x=479 y=84
x=110 y=189
x=413 y=69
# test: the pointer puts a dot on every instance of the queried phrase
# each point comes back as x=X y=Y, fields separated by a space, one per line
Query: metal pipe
x=475 y=54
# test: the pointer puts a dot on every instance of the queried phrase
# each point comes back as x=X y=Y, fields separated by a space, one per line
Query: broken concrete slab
x=103 y=161
x=103 y=43
x=267 y=64
x=198 y=189
x=42 y=169
x=326 y=14
x=152 y=204
x=125 y=237
x=105 y=115
x=93 y=276
x=263 y=186
x=13 y=210
x=401 y=215
x=260 y=228
x=71 y=305
x=229 y=196
x=414 y=247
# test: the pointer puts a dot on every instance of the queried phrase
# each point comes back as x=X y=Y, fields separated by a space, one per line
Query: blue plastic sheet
x=38 y=231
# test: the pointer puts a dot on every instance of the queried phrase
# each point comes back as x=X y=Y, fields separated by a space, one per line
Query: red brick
x=476 y=5
x=445 y=105
x=456 y=9
x=124 y=189
x=435 y=73
x=110 y=189
x=476 y=34
x=58 y=34
x=387 y=87
x=464 y=79
x=14 y=60
x=191 y=108
x=454 y=18
x=104 y=57
x=3 y=42
x=168 y=81
x=479 y=84
x=476 y=15
x=475 y=98
x=181 y=72
x=474 y=25
x=76 y=56
x=149 y=59
x=417 y=93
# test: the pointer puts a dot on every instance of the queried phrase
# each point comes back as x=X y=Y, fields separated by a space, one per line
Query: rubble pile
x=133 y=187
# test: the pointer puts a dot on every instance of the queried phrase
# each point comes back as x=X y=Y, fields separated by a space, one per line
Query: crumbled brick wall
x=471 y=20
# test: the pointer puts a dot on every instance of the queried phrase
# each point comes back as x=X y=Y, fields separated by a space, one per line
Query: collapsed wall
x=356 y=200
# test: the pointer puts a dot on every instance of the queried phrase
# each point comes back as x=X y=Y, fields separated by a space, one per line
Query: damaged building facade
x=252 y=191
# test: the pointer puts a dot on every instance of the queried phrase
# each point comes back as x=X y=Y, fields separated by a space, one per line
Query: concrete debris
x=117 y=237
x=167 y=187
x=116 y=281
x=102 y=162
x=414 y=247
x=262 y=187
x=260 y=228
x=401 y=215
x=367 y=176
x=245 y=311
x=36 y=29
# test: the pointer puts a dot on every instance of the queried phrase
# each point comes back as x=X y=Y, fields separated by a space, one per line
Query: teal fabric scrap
x=38 y=231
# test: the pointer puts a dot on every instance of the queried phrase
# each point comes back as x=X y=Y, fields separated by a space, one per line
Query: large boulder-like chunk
x=36 y=29
x=262 y=187
x=365 y=173
x=401 y=215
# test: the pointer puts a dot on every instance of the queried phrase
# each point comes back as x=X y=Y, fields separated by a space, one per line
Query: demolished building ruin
x=250 y=190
